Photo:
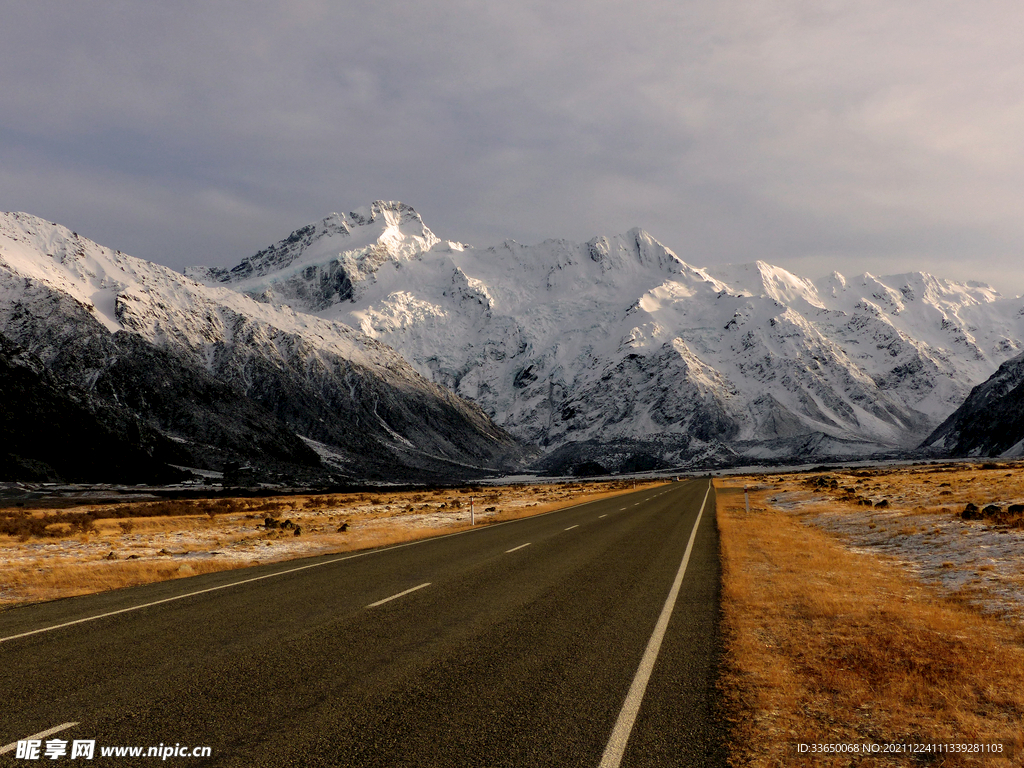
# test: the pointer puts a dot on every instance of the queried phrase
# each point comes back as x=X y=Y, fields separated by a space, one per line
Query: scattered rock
x=1015 y=509
x=991 y=510
x=343 y=527
x=971 y=512
x=883 y=504
x=111 y=556
x=298 y=530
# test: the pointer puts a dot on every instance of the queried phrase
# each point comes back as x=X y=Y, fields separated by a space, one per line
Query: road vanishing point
x=588 y=636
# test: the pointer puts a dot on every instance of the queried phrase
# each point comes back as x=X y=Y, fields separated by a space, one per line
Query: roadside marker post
x=746 y=498
x=472 y=512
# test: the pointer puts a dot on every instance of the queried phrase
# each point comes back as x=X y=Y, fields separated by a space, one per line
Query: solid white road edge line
x=400 y=594
x=624 y=725
x=42 y=734
x=519 y=547
x=293 y=570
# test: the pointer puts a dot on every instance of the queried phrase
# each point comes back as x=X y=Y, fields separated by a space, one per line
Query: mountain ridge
x=228 y=376
x=619 y=338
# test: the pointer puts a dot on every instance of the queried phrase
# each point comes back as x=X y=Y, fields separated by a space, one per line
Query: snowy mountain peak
x=635 y=248
x=327 y=259
x=393 y=212
x=763 y=279
x=832 y=286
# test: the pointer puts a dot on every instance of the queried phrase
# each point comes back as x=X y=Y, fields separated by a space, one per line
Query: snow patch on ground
x=984 y=563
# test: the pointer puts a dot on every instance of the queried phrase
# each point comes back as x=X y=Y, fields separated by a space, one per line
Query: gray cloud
x=817 y=135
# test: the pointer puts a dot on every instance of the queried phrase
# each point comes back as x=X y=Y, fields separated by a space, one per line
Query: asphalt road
x=519 y=644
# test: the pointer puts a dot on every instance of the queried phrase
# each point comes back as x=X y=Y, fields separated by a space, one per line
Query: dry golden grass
x=80 y=578
x=130 y=544
x=827 y=645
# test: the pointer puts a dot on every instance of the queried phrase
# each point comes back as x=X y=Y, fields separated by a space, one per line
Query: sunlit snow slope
x=230 y=377
x=618 y=340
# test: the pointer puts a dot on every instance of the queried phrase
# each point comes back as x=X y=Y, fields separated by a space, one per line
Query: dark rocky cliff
x=991 y=420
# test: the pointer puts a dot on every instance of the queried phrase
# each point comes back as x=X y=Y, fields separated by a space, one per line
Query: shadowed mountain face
x=617 y=351
x=227 y=379
x=53 y=431
x=991 y=420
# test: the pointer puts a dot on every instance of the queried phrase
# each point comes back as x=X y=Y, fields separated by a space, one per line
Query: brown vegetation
x=831 y=645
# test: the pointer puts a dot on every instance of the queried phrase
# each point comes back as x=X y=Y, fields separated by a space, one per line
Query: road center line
x=400 y=594
x=624 y=725
x=600 y=516
x=572 y=526
x=292 y=570
x=204 y=591
x=42 y=734
x=519 y=547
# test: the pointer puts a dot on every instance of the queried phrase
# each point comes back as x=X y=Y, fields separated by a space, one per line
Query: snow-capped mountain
x=326 y=262
x=225 y=376
x=618 y=342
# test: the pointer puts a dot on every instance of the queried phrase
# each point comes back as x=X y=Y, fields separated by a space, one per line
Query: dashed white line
x=519 y=547
x=616 y=748
x=42 y=734
x=277 y=573
x=600 y=516
x=572 y=526
x=282 y=573
x=400 y=594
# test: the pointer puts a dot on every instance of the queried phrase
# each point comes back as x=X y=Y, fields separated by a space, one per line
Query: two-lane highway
x=583 y=637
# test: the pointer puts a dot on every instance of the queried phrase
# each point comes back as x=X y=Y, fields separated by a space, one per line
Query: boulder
x=971 y=512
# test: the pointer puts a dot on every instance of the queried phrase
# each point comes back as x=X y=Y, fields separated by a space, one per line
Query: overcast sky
x=877 y=135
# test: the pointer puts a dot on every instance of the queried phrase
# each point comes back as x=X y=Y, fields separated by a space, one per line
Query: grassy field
x=839 y=632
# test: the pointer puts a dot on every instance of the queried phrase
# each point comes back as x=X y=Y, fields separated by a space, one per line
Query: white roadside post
x=746 y=498
x=472 y=512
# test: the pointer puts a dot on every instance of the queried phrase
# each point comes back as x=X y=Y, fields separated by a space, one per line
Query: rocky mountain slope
x=618 y=352
x=228 y=378
x=991 y=421
x=46 y=425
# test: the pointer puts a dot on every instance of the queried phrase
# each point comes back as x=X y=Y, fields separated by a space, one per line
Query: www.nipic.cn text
x=52 y=749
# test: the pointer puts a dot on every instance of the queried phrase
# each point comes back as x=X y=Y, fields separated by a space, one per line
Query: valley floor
x=106 y=546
